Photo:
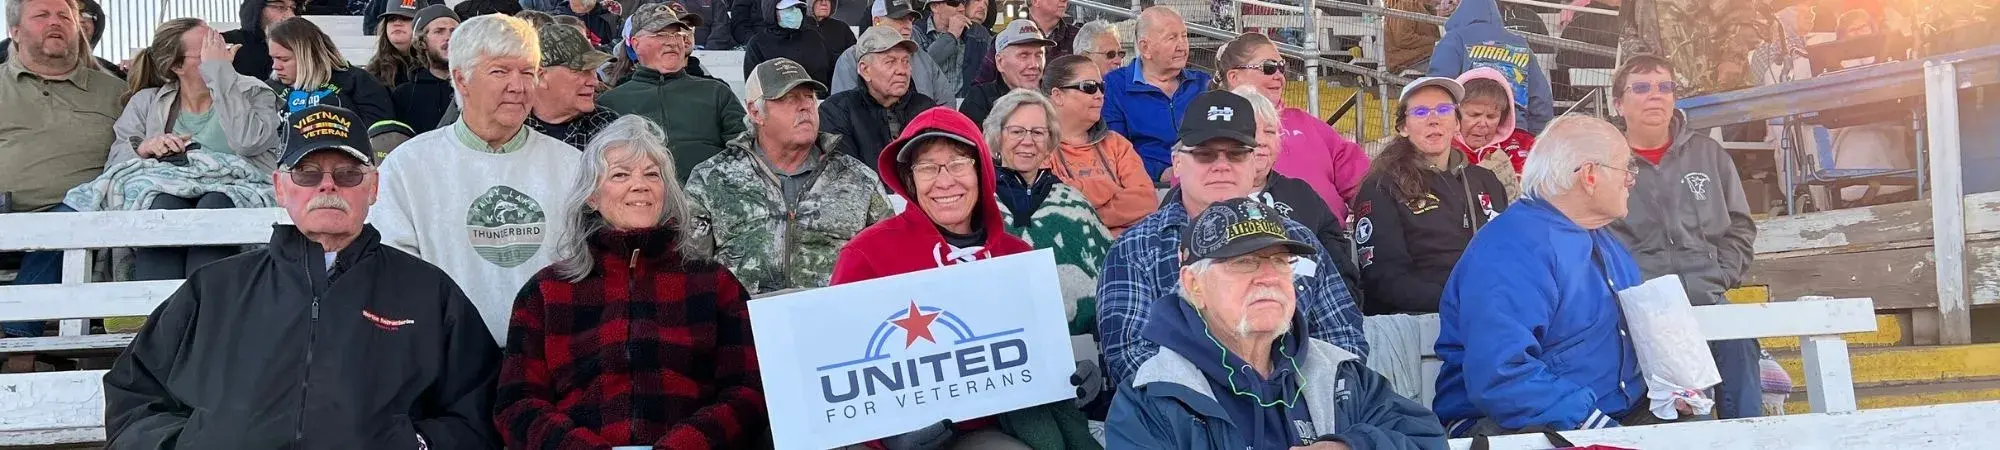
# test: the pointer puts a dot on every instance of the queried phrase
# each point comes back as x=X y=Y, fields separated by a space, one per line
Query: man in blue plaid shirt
x=1144 y=265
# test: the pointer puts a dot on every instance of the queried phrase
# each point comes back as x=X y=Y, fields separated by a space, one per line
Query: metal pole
x=1947 y=204
x=1312 y=58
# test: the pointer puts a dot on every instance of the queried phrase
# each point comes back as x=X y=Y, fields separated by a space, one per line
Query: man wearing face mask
x=792 y=39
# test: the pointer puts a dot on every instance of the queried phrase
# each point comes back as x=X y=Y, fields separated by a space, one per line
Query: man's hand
x=582 y=6
x=1681 y=405
x=615 y=8
x=1324 y=445
x=955 y=25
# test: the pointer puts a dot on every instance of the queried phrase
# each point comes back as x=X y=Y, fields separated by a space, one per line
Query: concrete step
x=1901 y=366
x=1912 y=395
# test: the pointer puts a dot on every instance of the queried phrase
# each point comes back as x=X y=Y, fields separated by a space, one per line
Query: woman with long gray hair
x=682 y=339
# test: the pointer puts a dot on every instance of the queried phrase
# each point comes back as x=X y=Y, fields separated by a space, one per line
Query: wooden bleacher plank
x=83 y=301
x=151 y=228
x=52 y=408
x=1854 y=87
x=1961 y=425
x=62 y=345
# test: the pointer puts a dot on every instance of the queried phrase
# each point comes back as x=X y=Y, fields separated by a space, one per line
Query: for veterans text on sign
x=861 y=361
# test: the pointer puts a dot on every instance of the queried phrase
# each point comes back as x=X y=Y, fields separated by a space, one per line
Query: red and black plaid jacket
x=649 y=349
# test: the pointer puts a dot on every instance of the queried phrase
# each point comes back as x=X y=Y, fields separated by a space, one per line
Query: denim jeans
x=1741 y=393
x=174 y=263
x=37 y=268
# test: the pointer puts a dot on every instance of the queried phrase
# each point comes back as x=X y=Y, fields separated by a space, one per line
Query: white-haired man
x=1237 y=364
x=1531 y=333
x=390 y=339
x=1142 y=100
x=1098 y=41
x=1021 y=53
x=781 y=200
x=473 y=197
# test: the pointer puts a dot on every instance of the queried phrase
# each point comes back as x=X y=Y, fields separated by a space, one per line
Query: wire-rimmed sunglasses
x=346 y=177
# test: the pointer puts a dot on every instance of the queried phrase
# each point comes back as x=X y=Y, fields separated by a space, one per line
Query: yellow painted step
x=1902 y=396
x=1913 y=365
x=1888 y=332
x=1748 y=294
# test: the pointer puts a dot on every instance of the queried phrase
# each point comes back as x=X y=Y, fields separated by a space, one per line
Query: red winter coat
x=909 y=241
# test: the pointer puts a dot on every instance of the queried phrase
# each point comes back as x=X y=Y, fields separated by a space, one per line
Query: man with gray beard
x=1237 y=362
x=388 y=336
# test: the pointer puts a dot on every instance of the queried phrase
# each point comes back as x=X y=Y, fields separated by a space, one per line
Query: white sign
x=861 y=361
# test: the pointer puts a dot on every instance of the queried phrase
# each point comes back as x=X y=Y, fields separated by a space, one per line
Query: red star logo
x=916 y=325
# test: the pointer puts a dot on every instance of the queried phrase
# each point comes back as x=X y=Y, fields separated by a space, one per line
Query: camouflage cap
x=881 y=39
x=653 y=17
x=567 y=47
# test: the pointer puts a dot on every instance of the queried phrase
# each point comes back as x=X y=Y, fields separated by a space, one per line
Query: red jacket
x=1515 y=147
x=909 y=241
x=650 y=349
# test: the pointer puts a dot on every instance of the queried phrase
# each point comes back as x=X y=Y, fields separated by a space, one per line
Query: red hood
x=1506 y=128
x=910 y=241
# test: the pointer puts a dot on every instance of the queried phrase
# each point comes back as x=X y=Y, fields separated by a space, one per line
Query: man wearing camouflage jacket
x=780 y=201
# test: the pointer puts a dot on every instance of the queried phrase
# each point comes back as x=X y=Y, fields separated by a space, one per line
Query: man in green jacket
x=780 y=201
x=698 y=114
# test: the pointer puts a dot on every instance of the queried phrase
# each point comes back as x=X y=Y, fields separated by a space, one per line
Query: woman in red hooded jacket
x=941 y=165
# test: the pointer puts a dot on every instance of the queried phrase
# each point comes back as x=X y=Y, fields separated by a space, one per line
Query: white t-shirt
x=488 y=219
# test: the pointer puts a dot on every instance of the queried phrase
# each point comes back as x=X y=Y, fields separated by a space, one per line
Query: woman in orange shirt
x=1092 y=158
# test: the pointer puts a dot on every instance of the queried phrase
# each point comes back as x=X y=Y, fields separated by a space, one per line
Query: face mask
x=791 y=18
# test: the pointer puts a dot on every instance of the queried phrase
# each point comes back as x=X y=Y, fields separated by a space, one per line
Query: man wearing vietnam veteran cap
x=323 y=284
x=1019 y=52
x=565 y=99
x=1218 y=131
x=1234 y=329
x=747 y=198
x=870 y=115
x=698 y=114
x=926 y=74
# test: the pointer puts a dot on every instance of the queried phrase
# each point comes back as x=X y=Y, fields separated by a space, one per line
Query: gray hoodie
x=1689 y=216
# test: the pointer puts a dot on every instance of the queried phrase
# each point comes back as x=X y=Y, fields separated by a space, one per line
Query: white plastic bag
x=1673 y=353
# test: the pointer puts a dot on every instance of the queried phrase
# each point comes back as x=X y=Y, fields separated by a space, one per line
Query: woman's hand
x=162 y=145
x=213 y=48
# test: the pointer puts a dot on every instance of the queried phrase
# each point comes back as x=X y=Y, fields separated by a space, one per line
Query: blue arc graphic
x=880 y=338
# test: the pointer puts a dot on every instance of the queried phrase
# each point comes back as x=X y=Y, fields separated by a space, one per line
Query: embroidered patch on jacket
x=1697 y=184
x=1486 y=203
x=386 y=324
x=1418 y=206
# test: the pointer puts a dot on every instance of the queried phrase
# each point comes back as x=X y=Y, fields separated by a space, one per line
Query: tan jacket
x=246 y=108
x=1408 y=42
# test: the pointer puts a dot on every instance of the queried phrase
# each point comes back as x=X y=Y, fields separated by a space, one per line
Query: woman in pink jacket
x=1314 y=152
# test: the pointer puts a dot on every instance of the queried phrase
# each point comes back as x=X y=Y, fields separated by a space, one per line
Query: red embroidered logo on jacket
x=386 y=324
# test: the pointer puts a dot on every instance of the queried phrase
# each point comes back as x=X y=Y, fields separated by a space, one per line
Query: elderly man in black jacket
x=327 y=339
x=870 y=115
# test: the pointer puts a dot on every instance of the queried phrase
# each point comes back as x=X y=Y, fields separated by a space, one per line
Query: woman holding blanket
x=942 y=165
x=634 y=337
x=194 y=134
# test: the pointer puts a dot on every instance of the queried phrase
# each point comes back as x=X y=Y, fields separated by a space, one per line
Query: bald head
x=1162 y=43
x=1568 y=144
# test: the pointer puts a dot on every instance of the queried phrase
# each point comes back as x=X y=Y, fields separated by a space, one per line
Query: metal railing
x=128 y=24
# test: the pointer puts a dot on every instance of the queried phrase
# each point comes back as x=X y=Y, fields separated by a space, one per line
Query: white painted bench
x=1954 y=426
x=1829 y=378
x=68 y=407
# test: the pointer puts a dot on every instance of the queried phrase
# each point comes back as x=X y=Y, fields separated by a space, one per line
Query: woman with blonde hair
x=194 y=134
x=311 y=71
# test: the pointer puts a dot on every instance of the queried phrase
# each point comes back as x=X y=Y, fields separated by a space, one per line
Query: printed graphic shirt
x=482 y=215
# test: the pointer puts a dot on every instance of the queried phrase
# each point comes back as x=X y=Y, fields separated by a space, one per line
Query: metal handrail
x=1559 y=43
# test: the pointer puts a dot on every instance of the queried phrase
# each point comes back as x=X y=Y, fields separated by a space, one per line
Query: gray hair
x=1149 y=15
x=1570 y=142
x=1267 y=111
x=642 y=138
x=492 y=36
x=14 y=12
x=1003 y=108
x=1086 y=37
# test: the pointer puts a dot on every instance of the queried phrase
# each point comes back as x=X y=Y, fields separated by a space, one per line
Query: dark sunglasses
x=343 y=177
x=1113 y=54
x=1087 y=87
x=1440 y=109
x=1268 y=67
x=1208 y=155
x=1643 y=88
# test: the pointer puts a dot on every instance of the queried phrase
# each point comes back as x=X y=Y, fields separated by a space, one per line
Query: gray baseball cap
x=1021 y=32
x=881 y=39
x=403 y=8
x=777 y=77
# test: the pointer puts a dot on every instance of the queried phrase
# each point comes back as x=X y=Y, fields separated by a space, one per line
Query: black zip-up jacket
x=1408 y=246
x=804 y=46
x=253 y=59
x=421 y=101
x=865 y=124
x=268 y=350
x=979 y=99
x=1299 y=202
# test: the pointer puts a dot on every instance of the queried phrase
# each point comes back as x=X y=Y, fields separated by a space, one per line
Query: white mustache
x=1256 y=295
x=328 y=202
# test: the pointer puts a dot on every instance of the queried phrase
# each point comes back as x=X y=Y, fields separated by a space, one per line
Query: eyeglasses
x=1016 y=132
x=1112 y=54
x=1208 y=155
x=958 y=168
x=1643 y=88
x=1441 y=109
x=1249 y=264
x=1087 y=87
x=1631 y=169
x=1268 y=67
x=346 y=177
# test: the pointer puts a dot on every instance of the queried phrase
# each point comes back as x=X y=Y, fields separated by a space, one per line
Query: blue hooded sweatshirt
x=1530 y=329
x=1263 y=408
x=1477 y=36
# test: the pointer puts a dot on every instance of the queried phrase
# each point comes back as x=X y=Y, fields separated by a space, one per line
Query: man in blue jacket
x=1530 y=330
x=1144 y=101
x=1236 y=369
x=1477 y=36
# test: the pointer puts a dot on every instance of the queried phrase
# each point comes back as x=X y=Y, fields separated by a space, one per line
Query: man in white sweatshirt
x=473 y=197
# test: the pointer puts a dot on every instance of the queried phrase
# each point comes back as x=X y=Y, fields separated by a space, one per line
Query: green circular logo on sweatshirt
x=507 y=227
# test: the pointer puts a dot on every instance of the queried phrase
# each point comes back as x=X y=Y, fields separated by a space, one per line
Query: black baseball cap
x=1237 y=227
x=1219 y=115
x=322 y=127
